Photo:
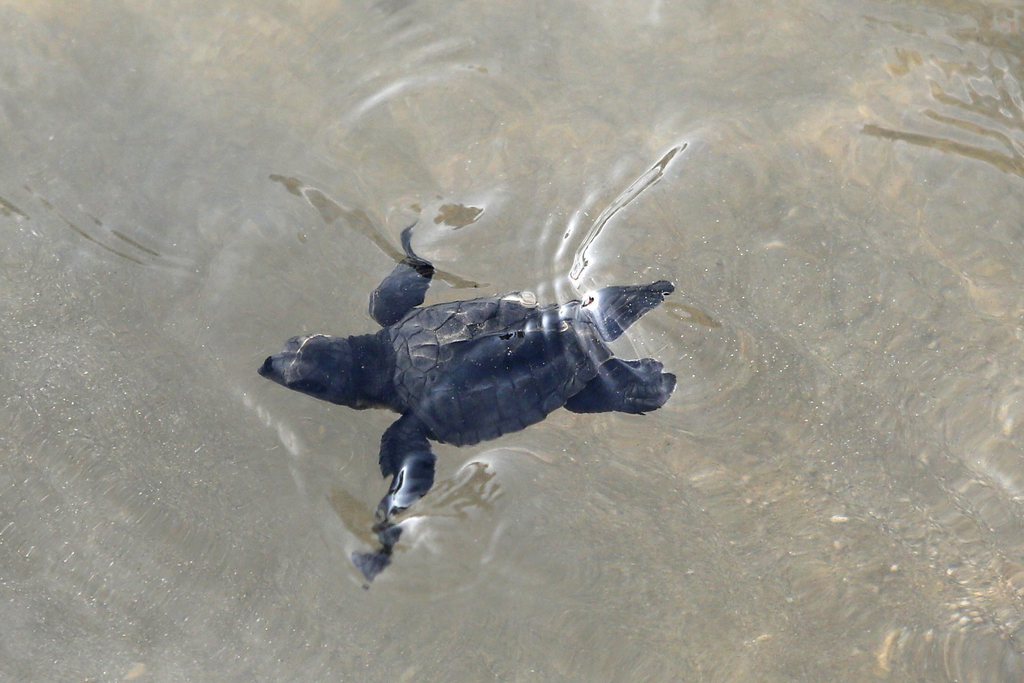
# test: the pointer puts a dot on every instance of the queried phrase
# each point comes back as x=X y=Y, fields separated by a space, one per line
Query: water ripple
x=972 y=73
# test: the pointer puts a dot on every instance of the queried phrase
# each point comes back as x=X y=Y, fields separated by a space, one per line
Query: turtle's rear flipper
x=613 y=309
x=626 y=386
x=404 y=289
x=405 y=456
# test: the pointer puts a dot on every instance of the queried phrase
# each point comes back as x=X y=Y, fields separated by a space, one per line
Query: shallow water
x=835 y=492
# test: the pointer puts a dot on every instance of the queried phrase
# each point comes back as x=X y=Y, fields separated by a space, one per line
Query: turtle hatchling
x=467 y=371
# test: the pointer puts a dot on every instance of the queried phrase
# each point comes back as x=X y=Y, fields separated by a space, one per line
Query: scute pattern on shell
x=524 y=362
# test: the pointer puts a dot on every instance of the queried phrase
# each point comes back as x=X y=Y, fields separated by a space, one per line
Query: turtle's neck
x=373 y=370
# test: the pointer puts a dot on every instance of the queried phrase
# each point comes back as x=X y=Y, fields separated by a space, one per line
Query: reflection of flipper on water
x=351 y=512
x=692 y=314
x=372 y=564
x=330 y=211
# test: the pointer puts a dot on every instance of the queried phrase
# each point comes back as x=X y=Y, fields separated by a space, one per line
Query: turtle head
x=318 y=365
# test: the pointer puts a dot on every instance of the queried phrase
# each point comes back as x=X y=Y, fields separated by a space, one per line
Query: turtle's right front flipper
x=404 y=289
x=405 y=456
x=613 y=309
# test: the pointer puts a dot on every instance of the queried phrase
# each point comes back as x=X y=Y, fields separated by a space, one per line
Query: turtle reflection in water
x=467 y=371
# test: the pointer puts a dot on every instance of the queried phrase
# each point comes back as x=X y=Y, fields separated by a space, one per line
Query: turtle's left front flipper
x=405 y=456
x=404 y=289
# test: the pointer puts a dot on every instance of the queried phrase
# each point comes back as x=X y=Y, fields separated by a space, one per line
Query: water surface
x=835 y=492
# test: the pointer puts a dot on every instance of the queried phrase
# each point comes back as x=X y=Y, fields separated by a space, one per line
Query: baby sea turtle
x=467 y=371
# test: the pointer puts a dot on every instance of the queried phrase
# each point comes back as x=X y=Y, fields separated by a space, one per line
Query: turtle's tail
x=614 y=309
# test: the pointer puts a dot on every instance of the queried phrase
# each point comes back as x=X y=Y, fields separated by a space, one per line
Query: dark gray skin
x=468 y=371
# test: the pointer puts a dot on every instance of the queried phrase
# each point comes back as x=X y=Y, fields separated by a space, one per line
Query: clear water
x=835 y=492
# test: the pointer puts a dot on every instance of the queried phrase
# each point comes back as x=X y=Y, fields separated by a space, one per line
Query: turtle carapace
x=467 y=371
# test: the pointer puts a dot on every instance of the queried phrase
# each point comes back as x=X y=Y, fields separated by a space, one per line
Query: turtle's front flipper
x=405 y=456
x=626 y=386
x=613 y=309
x=404 y=288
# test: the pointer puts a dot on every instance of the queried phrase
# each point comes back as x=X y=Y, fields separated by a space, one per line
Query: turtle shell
x=474 y=370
